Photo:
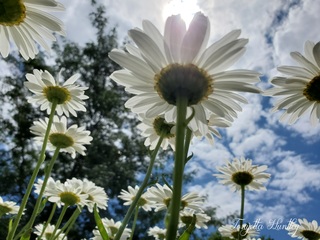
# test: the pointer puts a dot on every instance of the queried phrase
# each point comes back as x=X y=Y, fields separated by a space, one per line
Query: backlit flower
x=233 y=232
x=186 y=218
x=51 y=183
x=176 y=65
x=305 y=230
x=27 y=23
x=96 y=195
x=157 y=233
x=68 y=193
x=129 y=196
x=161 y=196
x=241 y=172
x=8 y=207
x=112 y=229
x=68 y=96
x=153 y=128
x=47 y=232
x=69 y=140
x=299 y=91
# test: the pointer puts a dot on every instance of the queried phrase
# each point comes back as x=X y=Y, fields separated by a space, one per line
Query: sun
x=186 y=8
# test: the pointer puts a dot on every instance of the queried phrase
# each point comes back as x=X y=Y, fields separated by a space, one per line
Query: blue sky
x=274 y=29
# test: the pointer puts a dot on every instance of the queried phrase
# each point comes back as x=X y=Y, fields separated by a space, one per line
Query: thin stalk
x=67 y=227
x=140 y=191
x=241 y=211
x=34 y=175
x=45 y=181
x=53 y=210
x=63 y=211
x=179 y=161
x=134 y=222
x=187 y=143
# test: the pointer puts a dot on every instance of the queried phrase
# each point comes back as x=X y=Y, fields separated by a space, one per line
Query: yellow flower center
x=141 y=202
x=57 y=94
x=69 y=198
x=312 y=90
x=187 y=220
x=12 y=12
x=4 y=209
x=113 y=231
x=61 y=140
x=166 y=201
x=162 y=128
x=242 y=178
x=188 y=81
x=48 y=235
x=311 y=235
x=243 y=233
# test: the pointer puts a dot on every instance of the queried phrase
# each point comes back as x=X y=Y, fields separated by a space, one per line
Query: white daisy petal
x=241 y=172
x=33 y=25
x=160 y=67
x=299 y=91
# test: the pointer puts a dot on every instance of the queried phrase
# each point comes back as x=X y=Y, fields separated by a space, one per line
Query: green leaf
x=26 y=235
x=185 y=236
x=187 y=233
x=43 y=204
x=99 y=223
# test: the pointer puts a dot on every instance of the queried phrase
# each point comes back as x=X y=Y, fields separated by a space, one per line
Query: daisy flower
x=27 y=23
x=112 y=229
x=68 y=193
x=69 y=140
x=299 y=90
x=163 y=68
x=157 y=233
x=49 y=186
x=213 y=122
x=153 y=128
x=129 y=196
x=68 y=96
x=241 y=172
x=96 y=195
x=8 y=207
x=233 y=232
x=186 y=217
x=305 y=230
x=161 y=196
x=47 y=232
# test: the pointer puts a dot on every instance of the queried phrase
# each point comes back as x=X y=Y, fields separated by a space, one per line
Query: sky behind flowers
x=274 y=29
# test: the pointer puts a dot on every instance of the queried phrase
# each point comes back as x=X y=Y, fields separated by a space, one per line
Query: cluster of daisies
x=164 y=72
x=66 y=99
x=158 y=197
x=73 y=192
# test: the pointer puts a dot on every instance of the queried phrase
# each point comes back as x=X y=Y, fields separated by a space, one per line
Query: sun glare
x=186 y=8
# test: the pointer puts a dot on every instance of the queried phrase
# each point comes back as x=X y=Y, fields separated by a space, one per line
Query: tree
x=116 y=153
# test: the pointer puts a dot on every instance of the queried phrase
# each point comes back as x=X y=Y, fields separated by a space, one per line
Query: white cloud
x=295 y=177
x=219 y=196
x=297 y=28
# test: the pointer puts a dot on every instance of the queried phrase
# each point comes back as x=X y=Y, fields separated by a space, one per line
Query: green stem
x=187 y=144
x=140 y=191
x=34 y=175
x=179 y=161
x=70 y=222
x=48 y=170
x=134 y=222
x=63 y=211
x=241 y=211
x=53 y=210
